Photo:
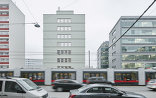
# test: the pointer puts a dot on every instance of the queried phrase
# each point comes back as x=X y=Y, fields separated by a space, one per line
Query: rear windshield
x=152 y=80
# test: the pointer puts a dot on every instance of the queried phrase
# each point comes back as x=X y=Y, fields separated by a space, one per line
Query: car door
x=73 y=85
x=1 y=86
x=113 y=93
x=97 y=92
x=11 y=89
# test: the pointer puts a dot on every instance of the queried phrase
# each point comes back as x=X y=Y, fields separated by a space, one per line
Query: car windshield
x=28 y=84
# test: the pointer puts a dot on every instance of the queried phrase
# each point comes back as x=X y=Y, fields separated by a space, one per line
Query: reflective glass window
x=139 y=31
x=139 y=57
x=138 y=40
x=126 y=76
x=63 y=75
x=87 y=75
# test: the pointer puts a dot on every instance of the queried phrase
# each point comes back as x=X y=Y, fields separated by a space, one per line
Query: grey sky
x=101 y=16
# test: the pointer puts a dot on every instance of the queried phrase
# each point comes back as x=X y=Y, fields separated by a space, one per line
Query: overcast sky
x=101 y=16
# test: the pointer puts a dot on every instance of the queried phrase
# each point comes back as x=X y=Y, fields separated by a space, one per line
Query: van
x=20 y=88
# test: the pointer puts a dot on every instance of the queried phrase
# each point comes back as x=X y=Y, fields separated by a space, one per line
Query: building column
x=79 y=76
x=141 y=76
x=48 y=75
x=17 y=72
x=110 y=75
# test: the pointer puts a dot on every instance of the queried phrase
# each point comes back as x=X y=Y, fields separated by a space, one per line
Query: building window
x=113 y=60
x=4 y=60
x=64 y=28
x=4 y=6
x=4 y=13
x=63 y=35
x=138 y=40
x=63 y=52
x=4 y=46
x=113 y=46
x=4 y=33
x=63 y=60
x=64 y=44
x=113 y=40
x=113 y=32
x=4 y=26
x=64 y=20
x=113 y=53
x=4 y=19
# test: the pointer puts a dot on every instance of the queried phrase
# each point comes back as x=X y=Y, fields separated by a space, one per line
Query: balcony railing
x=4 y=8
x=4 y=48
x=4 y=28
x=4 y=55
x=4 y=35
x=5 y=42
x=4 y=62
x=4 y=21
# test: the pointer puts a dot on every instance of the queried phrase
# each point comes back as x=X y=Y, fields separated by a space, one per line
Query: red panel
x=4 y=15
x=4 y=35
x=131 y=81
x=4 y=48
x=4 y=8
x=84 y=81
x=52 y=80
x=4 y=42
x=4 y=55
x=4 y=28
x=4 y=21
x=4 y=62
x=38 y=80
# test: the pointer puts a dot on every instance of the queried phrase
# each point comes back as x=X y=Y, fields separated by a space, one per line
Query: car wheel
x=59 y=89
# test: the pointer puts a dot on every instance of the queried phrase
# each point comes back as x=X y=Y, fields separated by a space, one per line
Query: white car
x=152 y=84
x=20 y=88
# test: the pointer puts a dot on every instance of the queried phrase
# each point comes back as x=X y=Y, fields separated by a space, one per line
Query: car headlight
x=45 y=96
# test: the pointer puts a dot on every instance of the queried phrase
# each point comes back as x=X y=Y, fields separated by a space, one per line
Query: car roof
x=99 y=85
x=96 y=77
x=11 y=78
x=93 y=85
x=64 y=79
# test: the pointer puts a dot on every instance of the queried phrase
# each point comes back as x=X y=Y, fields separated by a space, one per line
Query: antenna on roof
x=58 y=8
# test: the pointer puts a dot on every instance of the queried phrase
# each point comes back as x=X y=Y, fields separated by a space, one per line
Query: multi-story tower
x=33 y=63
x=138 y=47
x=12 y=35
x=64 y=40
x=102 y=55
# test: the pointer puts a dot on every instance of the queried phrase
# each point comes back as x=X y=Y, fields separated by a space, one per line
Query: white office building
x=12 y=35
x=64 y=40
x=33 y=63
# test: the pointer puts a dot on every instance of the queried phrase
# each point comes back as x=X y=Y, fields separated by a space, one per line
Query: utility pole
x=89 y=57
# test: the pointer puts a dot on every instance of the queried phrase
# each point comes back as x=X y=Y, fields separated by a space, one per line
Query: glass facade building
x=102 y=55
x=137 y=48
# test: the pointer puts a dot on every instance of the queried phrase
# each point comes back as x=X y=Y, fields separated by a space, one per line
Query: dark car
x=102 y=91
x=66 y=84
x=93 y=80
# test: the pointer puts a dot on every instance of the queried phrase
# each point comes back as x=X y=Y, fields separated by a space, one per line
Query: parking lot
x=137 y=89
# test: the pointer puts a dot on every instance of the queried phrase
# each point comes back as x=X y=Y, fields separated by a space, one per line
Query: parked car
x=152 y=84
x=93 y=80
x=20 y=88
x=102 y=91
x=66 y=84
